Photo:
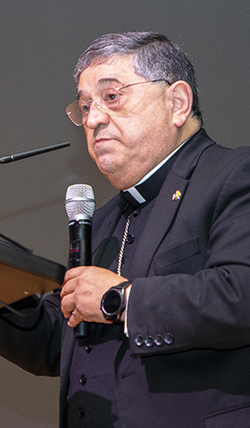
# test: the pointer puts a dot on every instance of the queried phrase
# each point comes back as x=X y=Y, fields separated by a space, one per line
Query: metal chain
x=120 y=257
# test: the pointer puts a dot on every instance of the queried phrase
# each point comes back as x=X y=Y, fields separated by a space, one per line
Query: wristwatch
x=113 y=301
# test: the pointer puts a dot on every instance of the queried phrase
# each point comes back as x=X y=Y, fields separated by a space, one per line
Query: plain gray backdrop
x=40 y=44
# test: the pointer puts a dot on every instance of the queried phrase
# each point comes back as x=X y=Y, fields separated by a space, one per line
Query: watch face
x=112 y=302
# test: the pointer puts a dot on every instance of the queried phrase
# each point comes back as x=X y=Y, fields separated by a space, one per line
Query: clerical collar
x=149 y=186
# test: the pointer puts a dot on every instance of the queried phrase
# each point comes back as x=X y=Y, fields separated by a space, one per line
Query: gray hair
x=154 y=57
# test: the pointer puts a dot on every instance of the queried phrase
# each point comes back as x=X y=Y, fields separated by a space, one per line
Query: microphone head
x=80 y=202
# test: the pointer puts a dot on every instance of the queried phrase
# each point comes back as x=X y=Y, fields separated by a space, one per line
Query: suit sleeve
x=33 y=342
x=210 y=308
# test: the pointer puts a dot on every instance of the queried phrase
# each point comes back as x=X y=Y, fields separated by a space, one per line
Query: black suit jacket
x=186 y=361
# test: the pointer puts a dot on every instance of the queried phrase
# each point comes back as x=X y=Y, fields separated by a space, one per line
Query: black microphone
x=80 y=205
x=23 y=155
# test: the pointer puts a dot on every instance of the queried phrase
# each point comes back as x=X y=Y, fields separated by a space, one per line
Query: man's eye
x=84 y=108
x=110 y=96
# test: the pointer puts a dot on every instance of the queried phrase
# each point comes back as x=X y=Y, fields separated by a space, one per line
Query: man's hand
x=82 y=292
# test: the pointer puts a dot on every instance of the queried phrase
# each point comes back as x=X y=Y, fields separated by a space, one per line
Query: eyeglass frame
x=90 y=102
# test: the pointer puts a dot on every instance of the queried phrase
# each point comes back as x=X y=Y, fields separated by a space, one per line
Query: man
x=174 y=242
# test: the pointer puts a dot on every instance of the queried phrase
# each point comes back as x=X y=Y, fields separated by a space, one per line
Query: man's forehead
x=112 y=71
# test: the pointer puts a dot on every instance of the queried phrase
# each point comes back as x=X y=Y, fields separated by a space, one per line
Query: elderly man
x=173 y=350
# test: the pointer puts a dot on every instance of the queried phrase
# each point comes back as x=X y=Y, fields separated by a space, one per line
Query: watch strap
x=123 y=285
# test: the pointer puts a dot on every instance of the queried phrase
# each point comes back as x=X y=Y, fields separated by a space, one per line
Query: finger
x=74 y=319
x=73 y=273
x=67 y=306
x=67 y=288
x=70 y=283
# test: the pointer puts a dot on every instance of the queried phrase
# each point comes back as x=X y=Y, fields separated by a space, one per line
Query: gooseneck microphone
x=23 y=155
x=80 y=205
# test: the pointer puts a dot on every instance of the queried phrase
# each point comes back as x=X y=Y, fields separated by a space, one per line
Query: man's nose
x=96 y=116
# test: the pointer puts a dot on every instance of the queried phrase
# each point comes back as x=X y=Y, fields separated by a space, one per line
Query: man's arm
x=207 y=309
x=33 y=342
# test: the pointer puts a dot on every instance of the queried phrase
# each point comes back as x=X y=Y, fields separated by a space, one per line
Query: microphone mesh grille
x=80 y=202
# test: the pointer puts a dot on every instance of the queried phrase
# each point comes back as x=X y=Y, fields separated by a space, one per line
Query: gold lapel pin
x=176 y=195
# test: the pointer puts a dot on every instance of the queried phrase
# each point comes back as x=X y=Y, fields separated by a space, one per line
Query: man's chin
x=107 y=165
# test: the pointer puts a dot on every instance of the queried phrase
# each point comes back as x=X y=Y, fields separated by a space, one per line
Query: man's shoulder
x=220 y=154
x=218 y=165
x=239 y=150
x=203 y=148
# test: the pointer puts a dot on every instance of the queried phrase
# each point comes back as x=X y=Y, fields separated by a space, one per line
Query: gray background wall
x=40 y=43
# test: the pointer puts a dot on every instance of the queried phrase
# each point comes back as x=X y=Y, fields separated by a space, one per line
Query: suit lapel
x=168 y=203
x=159 y=221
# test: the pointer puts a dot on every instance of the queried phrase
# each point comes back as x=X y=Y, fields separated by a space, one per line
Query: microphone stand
x=23 y=155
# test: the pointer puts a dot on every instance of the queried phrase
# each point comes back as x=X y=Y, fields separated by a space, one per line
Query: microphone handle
x=80 y=255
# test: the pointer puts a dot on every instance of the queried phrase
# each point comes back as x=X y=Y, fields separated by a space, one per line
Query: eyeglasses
x=112 y=101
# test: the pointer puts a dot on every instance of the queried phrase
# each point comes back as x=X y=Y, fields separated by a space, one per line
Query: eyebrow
x=103 y=81
x=108 y=80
